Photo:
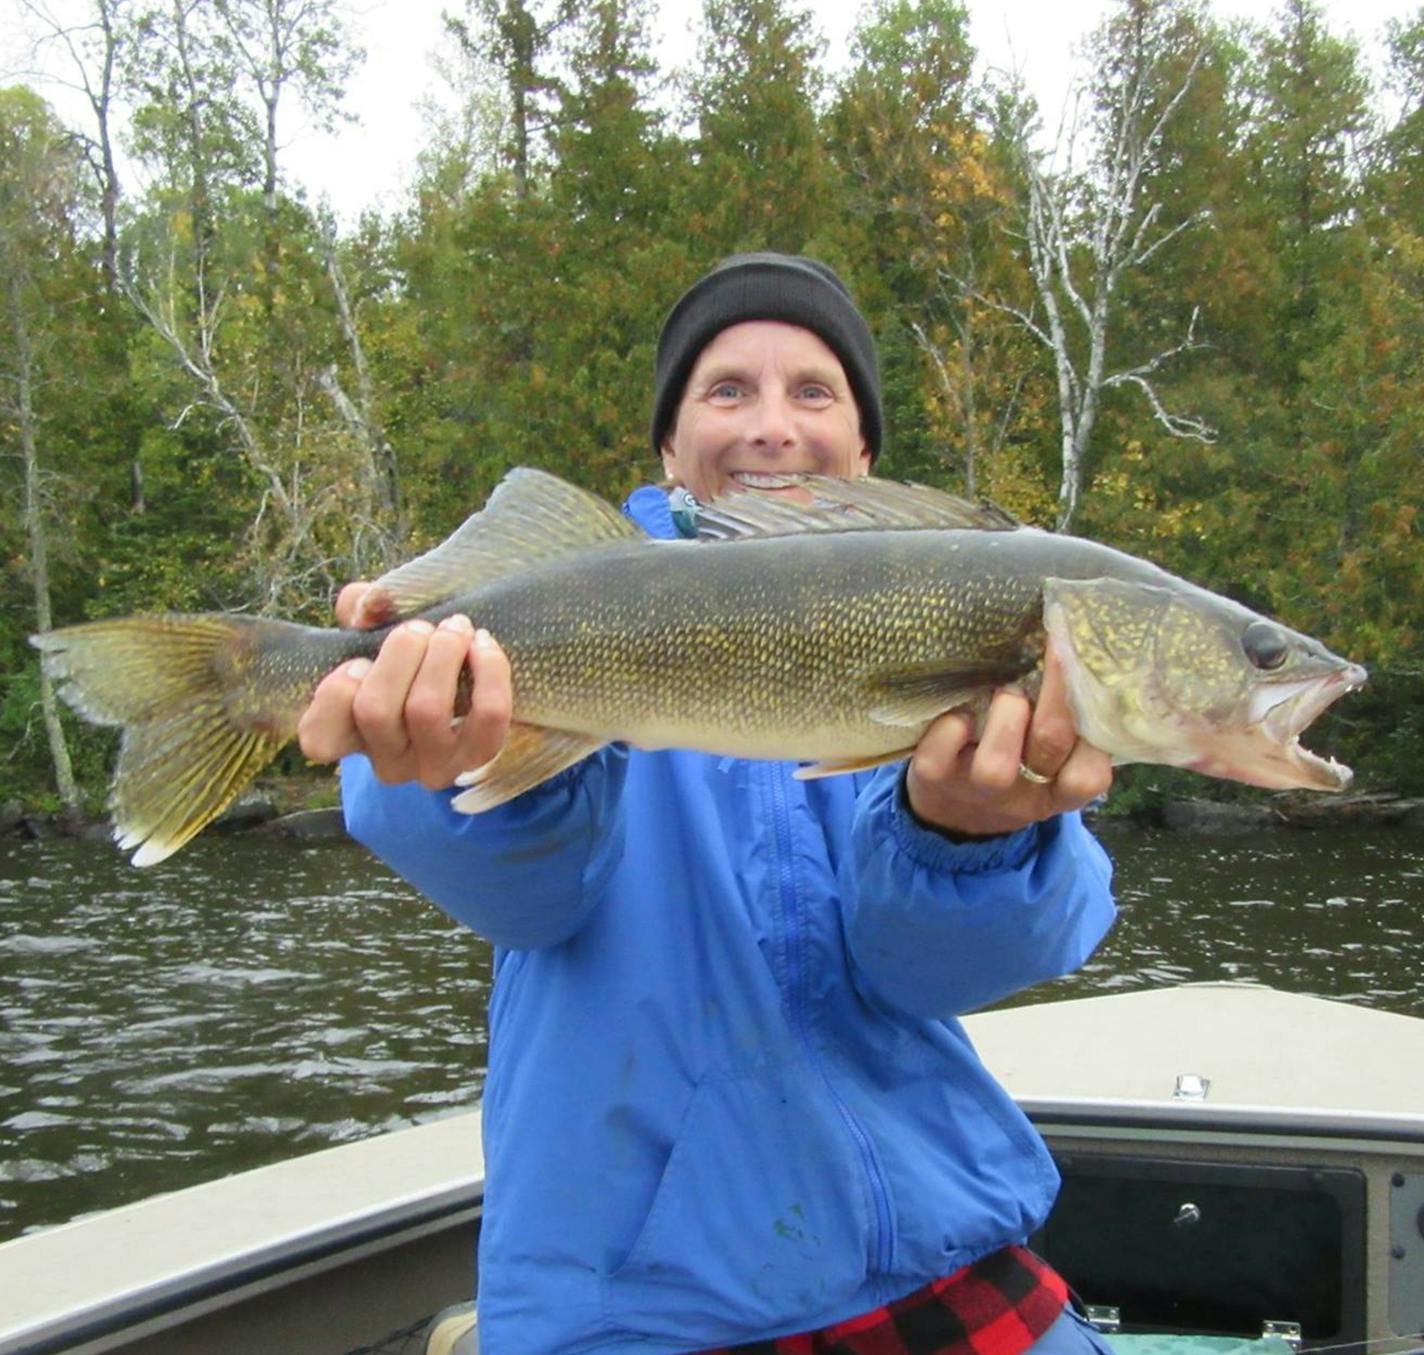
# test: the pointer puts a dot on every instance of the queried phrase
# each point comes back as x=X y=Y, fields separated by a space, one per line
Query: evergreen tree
x=761 y=179
x=1397 y=185
x=1309 y=122
x=618 y=183
x=926 y=193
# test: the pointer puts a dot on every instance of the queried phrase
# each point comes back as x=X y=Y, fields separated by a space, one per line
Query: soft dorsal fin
x=858 y=505
x=531 y=517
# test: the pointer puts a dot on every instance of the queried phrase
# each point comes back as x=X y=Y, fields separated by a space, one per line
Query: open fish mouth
x=1280 y=713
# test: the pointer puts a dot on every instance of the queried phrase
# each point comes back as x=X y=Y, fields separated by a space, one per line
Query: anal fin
x=530 y=756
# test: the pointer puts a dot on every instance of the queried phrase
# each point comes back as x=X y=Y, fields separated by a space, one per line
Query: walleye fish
x=831 y=634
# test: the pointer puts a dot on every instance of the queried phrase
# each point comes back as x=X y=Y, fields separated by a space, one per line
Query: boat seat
x=452 y=1332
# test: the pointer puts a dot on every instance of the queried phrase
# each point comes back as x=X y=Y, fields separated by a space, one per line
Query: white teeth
x=756 y=480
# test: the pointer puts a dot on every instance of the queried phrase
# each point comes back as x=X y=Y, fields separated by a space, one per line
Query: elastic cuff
x=936 y=850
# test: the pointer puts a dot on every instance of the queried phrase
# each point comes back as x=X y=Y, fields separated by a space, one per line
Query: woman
x=728 y=1100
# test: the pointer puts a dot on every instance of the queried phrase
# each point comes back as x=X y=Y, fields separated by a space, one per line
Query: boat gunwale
x=227 y=1275
x=1198 y=1117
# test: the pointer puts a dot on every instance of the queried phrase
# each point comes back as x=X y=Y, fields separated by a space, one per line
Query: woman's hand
x=979 y=789
x=399 y=709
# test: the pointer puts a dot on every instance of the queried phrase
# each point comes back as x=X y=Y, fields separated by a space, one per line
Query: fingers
x=401 y=709
x=422 y=728
x=486 y=726
x=326 y=730
x=348 y=603
x=1079 y=771
x=996 y=762
x=975 y=787
x=1051 y=735
x=441 y=744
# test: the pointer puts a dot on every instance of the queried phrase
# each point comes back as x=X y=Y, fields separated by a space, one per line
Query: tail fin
x=201 y=711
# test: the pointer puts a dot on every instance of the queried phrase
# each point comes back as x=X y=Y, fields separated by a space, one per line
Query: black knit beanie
x=767 y=286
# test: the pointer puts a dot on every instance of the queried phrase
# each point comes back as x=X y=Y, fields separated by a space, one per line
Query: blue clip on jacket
x=727 y=1095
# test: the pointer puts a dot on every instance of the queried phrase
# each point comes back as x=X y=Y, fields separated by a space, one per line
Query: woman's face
x=764 y=398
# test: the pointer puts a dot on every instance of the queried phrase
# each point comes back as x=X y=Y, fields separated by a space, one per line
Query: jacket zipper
x=790 y=912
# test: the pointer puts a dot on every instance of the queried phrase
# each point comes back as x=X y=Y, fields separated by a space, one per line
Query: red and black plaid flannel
x=1000 y=1305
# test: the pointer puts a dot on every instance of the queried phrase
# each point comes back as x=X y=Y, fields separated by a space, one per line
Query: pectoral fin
x=530 y=756
x=915 y=696
x=839 y=766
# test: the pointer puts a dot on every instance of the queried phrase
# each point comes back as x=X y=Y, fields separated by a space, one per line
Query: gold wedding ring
x=1029 y=774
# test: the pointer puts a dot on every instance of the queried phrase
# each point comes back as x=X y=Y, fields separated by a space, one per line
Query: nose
x=773 y=426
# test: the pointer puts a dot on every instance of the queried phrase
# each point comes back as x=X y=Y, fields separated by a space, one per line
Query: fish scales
x=832 y=634
x=762 y=646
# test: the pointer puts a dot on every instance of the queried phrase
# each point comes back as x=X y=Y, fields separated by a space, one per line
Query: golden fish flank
x=831 y=634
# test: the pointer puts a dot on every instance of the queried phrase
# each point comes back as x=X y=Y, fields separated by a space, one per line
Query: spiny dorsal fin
x=858 y=505
x=532 y=516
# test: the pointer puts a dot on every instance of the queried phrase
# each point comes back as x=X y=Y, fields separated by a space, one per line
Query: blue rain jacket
x=727 y=1094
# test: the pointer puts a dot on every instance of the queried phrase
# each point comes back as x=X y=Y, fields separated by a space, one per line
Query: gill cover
x=1184 y=677
x=1146 y=665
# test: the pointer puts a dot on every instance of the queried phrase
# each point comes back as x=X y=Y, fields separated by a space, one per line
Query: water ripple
x=251 y=999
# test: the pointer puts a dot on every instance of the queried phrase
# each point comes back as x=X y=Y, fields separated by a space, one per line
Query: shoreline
x=282 y=811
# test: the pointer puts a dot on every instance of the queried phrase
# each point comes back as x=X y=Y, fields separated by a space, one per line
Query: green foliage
x=25 y=769
x=278 y=406
x=761 y=177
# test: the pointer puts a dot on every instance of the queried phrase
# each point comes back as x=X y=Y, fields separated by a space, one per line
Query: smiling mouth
x=785 y=481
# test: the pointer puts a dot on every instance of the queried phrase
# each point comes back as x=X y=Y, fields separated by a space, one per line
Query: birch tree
x=1091 y=222
x=277 y=45
x=93 y=49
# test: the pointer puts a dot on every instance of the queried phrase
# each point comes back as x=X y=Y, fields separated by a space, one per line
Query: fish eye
x=1265 y=645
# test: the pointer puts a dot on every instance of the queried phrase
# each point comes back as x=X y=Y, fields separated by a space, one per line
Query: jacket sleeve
x=937 y=928
x=526 y=874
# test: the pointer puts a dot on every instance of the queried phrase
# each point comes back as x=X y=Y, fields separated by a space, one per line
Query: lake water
x=256 y=998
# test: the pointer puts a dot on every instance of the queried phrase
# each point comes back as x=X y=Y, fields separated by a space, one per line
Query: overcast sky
x=368 y=162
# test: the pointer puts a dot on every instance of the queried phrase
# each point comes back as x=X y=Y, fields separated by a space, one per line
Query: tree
x=276 y=45
x=518 y=42
x=1088 y=227
x=190 y=122
x=280 y=44
x=615 y=184
x=761 y=180
x=95 y=50
x=1309 y=121
x=1401 y=148
x=926 y=194
x=40 y=201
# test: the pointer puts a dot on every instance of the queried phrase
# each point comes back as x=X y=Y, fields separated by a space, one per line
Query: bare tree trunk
x=93 y=62
x=35 y=535
x=1084 y=234
x=382 y=469
x=958 y=395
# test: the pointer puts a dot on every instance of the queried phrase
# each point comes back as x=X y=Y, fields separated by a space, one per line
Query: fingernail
x=459 y=622
x=358 y=668
x=420 y=626
x=483 y=638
